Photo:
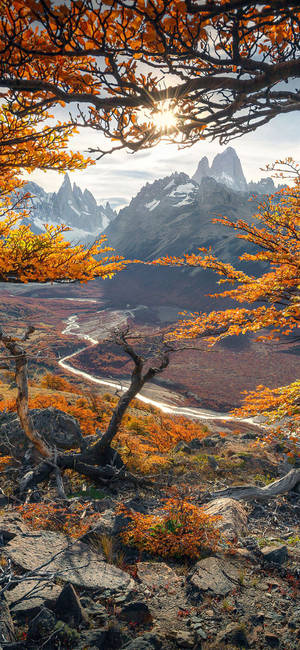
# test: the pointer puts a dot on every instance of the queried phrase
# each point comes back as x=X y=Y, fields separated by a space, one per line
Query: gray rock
x=196 y=444
x=158 y=575
x=233 y=634
x=41 y=627
x=27 y=598
x=272 y=640
x=146 y=642
x=68 y=608
x=7 y=630
x=95 y=610
x=106 y=523
x=55 y=426
x=71 y=562
x=233 y=520
x=182 y=447
x=110 y=638
x=213 y=441
x=275 y=554
x=136 y=612
x=213 y=575
x=93 y=639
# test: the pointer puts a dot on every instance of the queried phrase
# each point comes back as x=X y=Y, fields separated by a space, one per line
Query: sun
x=164 y=118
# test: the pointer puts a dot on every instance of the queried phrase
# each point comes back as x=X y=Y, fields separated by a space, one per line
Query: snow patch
x=187 y=188
x=169 y=185
x=153 y=204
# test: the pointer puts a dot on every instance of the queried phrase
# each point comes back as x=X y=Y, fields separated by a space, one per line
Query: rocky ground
x=95 y=592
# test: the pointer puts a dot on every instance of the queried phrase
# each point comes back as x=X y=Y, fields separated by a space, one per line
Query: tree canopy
x=138 y=71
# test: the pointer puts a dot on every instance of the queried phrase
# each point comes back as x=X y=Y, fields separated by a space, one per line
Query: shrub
x=55 y=382
x=180 y=530
x=51 y=516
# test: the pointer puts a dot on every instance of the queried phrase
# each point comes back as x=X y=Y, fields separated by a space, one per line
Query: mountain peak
x=66 y=182
x=226 y=168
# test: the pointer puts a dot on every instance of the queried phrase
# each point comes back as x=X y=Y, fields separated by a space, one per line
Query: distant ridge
x=71 y=206
x=226 y=168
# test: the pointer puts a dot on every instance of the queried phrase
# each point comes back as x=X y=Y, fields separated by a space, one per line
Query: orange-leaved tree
x=269 y=301
x=142 y=70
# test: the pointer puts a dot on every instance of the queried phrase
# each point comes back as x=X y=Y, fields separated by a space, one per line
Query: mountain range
x=173 y=216
x=170 y=216
x=71 y=206
x=79 y=210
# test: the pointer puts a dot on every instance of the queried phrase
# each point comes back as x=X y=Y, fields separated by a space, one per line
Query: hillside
x=228 y=579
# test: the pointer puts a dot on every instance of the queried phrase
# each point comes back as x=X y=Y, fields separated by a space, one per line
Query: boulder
x=106 y=524
x=158 y=575
x=146 y=642
x=137 y=613
x=56 y=427
x=275 y=554
x=233 y=513
x=213 y=575
x=7 y=630
x=182 y=447
x=68 y=608
x=41 y=627
x=73 y=562
x=27 y=598
x=233 y=634
x=96 y=611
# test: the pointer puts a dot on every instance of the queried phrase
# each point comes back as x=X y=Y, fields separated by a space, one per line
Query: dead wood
x=290 y=481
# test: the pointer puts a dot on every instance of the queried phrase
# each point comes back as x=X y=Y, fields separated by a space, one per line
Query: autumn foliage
x=73 y=522
x=180 y=530
x=90 y=54
x=274 y=293
x=56 y=382
x=27 y=257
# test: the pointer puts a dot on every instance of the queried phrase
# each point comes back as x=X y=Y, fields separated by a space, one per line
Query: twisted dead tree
x=96 y=460
x=140 y=71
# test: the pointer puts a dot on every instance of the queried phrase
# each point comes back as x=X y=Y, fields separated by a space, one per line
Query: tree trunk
x=105 y=441
x=19 y=356
x=22 y=404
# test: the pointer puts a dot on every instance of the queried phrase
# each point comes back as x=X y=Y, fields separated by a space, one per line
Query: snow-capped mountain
x=71 y=206
x=226 y=168
x=173 y=215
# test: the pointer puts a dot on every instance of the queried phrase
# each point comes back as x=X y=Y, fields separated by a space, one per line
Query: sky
x=118 y=177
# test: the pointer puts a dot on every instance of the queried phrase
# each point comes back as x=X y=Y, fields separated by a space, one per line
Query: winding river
x=188 y=412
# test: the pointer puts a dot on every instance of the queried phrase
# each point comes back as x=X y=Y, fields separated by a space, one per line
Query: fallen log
x=290 y=481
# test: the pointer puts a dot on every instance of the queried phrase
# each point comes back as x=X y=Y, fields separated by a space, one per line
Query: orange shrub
x=180 y=530
x=51 y=516
x=4 y=461
x=55 y=382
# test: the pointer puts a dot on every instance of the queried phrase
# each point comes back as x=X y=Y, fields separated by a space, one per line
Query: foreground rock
x=7 y=630
x=71 y=562
x=233 y=634
x=275 y=554
x=213 y=575
x=68 y=607
x=56 y=427
x=234 y=516
x=28 y=597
